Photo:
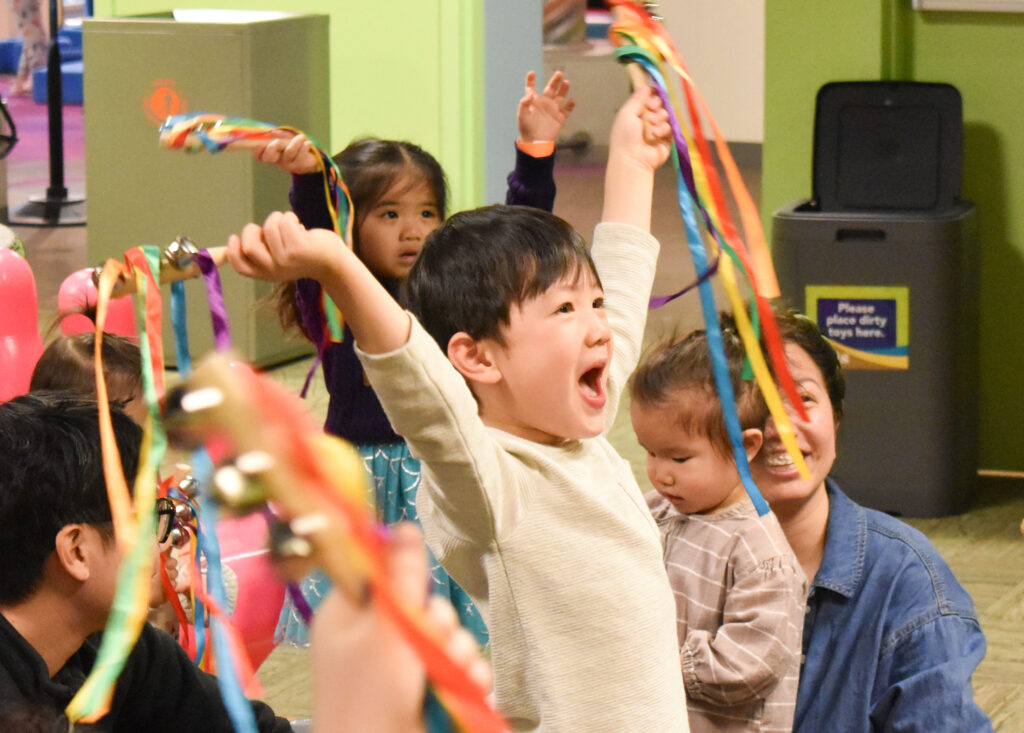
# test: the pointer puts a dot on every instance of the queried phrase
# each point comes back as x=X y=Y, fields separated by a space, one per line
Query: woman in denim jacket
x=891 y=638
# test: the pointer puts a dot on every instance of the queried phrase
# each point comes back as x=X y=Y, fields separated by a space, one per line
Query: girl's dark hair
x=67 y=364
x=370 y=167
x=680 y=374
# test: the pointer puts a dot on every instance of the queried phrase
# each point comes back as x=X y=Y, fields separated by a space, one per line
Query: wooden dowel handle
x=168 y=272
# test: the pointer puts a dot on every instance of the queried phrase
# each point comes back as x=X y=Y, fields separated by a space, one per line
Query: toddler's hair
x=370 y=167
x=680 y=373
x=67 y=364
x=479 y=263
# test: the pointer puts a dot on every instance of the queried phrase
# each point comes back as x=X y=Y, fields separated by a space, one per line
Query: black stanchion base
x=44 y=211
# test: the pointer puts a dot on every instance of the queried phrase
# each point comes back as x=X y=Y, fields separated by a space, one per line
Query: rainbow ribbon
x=235 y=675
x=212 y=132
x=215 y=132
x=640 y=39
x=322 y=476
x=134 y=523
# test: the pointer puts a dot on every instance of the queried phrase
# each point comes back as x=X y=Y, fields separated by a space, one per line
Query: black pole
x=55 y=208
x=54 y=110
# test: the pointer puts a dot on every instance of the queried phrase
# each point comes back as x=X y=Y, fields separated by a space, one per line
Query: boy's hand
x=641 y=132
x=290 y=152
x=640 y=142
x=282 y=249
x=541 y=116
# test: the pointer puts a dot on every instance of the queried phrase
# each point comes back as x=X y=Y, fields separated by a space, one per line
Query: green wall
x=410 y=71
x=809 y=43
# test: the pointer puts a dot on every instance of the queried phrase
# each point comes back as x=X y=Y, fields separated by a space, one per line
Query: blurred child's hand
x=541 y=116
x=641 y=132
x=157 y=597
x=365 y=674
x=292 y=153
x=282 y=249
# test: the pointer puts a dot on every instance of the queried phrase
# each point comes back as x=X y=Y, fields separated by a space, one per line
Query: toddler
x=67 y=363
x=739 y=591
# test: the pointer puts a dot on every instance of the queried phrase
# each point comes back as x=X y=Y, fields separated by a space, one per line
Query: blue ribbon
x=238 y=707
x=686 y=191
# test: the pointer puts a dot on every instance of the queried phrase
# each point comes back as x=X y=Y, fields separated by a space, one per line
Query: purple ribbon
x=660 y=300
x=300 y=603
x=215 y=296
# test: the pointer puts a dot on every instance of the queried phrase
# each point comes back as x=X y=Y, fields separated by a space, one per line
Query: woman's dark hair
x=799 y=330
x=67 y=364
x=479 y=263
x=370 y=167
x=680 y=374
x=52 y=476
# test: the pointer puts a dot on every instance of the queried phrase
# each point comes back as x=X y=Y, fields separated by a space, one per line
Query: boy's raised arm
x=639 y=143
x=282 y=249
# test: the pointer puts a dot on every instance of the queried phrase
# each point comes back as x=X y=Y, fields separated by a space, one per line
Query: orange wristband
x=537 y=148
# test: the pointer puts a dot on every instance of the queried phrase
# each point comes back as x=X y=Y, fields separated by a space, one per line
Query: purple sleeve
x=532 y=182
x=309 y=200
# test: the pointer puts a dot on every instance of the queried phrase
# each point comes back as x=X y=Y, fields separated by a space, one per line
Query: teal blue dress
x=395 y=478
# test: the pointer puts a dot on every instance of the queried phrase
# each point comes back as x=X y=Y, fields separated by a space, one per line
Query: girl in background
x=738 y=588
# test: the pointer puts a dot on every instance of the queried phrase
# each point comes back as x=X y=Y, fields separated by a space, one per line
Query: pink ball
x=77 y=295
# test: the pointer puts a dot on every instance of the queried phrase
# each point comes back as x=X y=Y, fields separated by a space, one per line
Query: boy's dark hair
x=67 y=364
x=479 y=263
x=680 y=374
x=369 y=167
x=52 y=476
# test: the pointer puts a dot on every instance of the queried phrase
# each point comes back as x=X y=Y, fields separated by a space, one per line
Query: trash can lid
x=887 y=146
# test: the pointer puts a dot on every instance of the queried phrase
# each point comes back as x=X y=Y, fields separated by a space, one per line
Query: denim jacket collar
x=842 y=565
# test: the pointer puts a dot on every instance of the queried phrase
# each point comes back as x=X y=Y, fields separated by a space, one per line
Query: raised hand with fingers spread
x=543 y=114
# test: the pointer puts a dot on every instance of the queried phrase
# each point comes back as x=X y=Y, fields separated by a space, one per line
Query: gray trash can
x=897 y=294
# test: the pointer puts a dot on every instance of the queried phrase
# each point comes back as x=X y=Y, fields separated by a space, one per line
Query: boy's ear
x=472 y=358
x=69 y=546
x=753 y=439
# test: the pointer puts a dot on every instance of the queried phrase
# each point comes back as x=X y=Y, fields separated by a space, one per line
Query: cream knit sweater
x=554 y=543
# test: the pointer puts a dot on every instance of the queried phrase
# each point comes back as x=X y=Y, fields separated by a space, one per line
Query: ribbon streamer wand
x=702 y=186
x=179 y=260
x=319 y=485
